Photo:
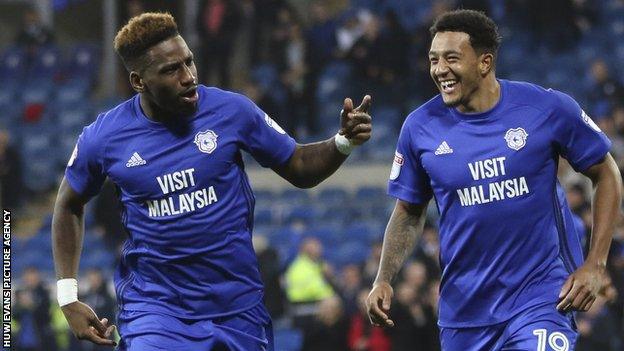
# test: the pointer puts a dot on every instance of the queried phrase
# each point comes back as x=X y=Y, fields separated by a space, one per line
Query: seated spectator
x=329 y=328
x=269 y=264
x=305 y=278
x=10 y=173
x=32 y=314
x=34 y=33
x=362 y=335
x=606 y=91
x=349 y=287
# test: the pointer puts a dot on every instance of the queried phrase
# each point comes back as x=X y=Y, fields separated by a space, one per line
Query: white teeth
x=447 y=83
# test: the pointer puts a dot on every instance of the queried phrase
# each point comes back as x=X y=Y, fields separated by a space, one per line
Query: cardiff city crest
x=516 y=138
x=206 y=141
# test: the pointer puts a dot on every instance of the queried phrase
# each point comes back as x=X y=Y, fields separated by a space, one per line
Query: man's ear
x=486 y=63
x=136 y=82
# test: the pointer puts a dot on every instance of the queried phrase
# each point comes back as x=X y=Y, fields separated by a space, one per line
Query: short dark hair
x=482 y=30
x=141 y=33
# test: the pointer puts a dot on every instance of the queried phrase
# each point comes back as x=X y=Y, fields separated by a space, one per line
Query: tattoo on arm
x=405 y=224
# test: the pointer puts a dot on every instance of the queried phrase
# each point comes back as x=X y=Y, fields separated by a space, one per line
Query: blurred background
x=297 y=59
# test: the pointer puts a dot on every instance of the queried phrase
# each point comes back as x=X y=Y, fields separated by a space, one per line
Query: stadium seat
x=82 y=61
x=47 y=64
x=12 y=65
x=288 y=339
x=295 y=196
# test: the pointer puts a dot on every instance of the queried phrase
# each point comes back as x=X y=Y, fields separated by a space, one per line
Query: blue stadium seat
x=351 y=252
x=295 y=196
x=37 y=90
x=263 y=216
x=329 y=235
x=370 y=194
x=333 y=195
x=47 y=64
x=83 y=61
x=303 y=212
x=288 y=339
x=73 y=92
x=97 y=258
x=12 y=65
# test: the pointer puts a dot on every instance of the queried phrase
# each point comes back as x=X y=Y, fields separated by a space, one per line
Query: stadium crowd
x=318 y=252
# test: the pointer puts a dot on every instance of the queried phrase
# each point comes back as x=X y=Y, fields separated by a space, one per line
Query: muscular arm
x=67 y=231
x=606 y=201
x=583 y=285
x=310 y=164
x=405 y=224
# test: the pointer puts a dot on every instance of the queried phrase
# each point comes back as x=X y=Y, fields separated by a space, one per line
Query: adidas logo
x=135 y=160
x=444 y=148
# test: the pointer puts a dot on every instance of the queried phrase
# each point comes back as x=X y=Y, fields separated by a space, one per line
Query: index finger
x=92 y=336
x=99 y=325
x=347 y=107
x=365 y=105
x=378 y=317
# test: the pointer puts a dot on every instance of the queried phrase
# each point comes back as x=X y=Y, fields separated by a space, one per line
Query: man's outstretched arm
x=405 y=225
x=312 y=163
x=582 y=286
x=67 y=233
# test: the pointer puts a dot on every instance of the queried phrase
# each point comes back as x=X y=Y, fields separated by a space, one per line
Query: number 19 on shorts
x=556 y=340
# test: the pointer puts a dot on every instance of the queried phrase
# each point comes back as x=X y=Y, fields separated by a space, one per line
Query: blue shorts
x=250 y=330
x=540 y=328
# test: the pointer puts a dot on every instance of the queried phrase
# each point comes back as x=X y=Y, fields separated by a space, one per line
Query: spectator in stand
x=428 y=250
x=10 y=173
x=553 y=24
x=362 y=335
x=34 y=33
x=415 y=319
x=265 y=14
x=615 y=265
x=329 y=328
x=321 y=40
x=218 y=22
x=32 y=313
x=306 y=279
x=606 y=92
x=598 y=327
x=269 y=265
x=349 y=287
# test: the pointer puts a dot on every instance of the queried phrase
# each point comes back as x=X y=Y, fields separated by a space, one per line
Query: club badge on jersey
x=206 y=141
x=516 y=138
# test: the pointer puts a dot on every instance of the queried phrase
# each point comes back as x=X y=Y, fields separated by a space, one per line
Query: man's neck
x=484 y=98
x=151 y=111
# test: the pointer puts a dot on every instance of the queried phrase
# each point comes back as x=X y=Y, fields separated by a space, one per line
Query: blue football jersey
x=187 y=203
x=507 y=236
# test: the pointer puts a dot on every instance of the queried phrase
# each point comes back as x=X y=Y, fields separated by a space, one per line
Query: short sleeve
x=408 y=179
x=85 y=171
x=578 y=138
x=264 y=139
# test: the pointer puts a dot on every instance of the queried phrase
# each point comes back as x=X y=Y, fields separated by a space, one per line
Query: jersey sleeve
x=263 y=138
x=85 y=171
x=578 y=138
x=408 y=179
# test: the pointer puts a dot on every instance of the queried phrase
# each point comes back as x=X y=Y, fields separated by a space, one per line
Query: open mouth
x=448 y=86
x=190 y=95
